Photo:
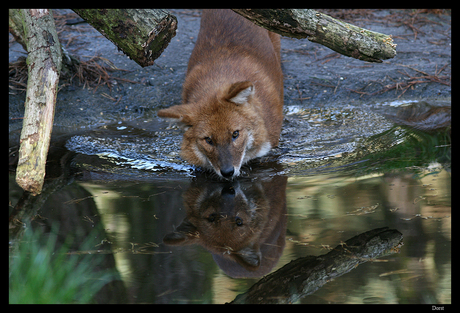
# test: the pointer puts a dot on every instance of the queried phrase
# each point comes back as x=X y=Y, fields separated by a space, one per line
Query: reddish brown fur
x=234 y=83
x=255 y=243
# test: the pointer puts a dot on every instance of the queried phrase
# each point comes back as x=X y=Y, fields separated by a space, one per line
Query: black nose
x=228 y=191
x=227 y=172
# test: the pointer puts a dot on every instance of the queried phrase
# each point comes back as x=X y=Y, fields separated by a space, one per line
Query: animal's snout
x=227 y=172
x=228 y=192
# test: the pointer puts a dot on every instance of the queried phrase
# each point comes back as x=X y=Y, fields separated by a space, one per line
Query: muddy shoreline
x=344 y=95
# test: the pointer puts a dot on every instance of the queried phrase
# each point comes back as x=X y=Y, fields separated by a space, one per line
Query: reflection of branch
x=304 y=276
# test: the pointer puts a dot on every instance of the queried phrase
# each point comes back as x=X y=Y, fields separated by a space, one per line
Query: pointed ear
x=249 y=257
x=183 y=235
x=182 y=113
x=240 y=93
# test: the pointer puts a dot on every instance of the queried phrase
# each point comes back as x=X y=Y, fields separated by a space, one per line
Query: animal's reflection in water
x=242 y=223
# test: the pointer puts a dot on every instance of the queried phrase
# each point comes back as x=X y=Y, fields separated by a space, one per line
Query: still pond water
x=187 y=238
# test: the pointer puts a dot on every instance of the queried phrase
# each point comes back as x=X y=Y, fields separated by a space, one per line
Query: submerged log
x=44 y=64
x=142 y=34
x=344 y=38
x=304 y=276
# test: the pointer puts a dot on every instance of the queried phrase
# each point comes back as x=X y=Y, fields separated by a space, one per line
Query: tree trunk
x=304 y=276
x=44 y=65
x=16 y=27
x=339 y=36
x=141 y=34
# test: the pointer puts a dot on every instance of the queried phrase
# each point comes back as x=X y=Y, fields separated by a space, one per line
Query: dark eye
x=235 y=134
x=238 y=221
x=212 y=217
x=208 y=140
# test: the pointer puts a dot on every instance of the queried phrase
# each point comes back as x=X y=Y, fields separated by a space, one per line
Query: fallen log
x=44 y=64
x=344 y=38
x=142 y=34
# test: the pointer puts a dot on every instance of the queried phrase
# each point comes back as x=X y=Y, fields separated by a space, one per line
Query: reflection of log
x=304 y=276
x=344 y=38
x=141 y=34
x=58 y=176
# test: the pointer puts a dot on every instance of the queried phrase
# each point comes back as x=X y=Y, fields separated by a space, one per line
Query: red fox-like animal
x=232 y=95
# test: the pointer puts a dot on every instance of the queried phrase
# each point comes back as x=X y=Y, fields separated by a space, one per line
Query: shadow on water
x=172 y=234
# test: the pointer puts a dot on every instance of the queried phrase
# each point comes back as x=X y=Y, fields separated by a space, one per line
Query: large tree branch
x=339 y=36
x=44 y=64
x=142 y=34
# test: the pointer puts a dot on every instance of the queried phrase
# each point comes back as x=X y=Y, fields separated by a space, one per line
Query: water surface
x=173 y=234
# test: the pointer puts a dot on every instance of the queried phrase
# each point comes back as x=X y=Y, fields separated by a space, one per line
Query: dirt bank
x=314 y=75
x=317 y=81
